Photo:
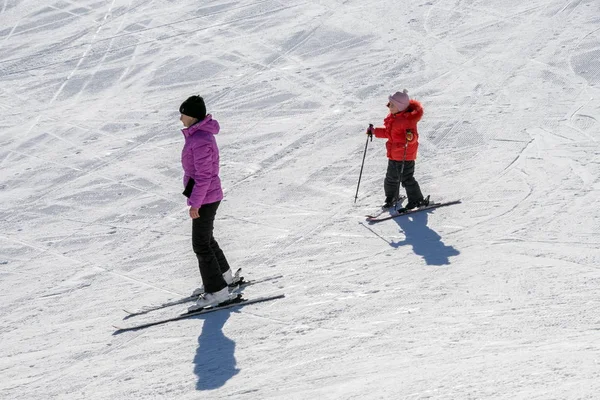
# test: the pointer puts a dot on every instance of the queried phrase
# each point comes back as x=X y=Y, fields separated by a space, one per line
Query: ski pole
x=370 y=135
x=402 y=168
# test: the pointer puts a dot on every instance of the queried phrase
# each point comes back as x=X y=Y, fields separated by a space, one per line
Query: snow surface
x=496 y=298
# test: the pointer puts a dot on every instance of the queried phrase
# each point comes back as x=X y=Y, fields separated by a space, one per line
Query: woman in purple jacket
x=200 y=161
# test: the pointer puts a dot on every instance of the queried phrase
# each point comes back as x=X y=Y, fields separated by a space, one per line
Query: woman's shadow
x=214 y=363
x=425 y=241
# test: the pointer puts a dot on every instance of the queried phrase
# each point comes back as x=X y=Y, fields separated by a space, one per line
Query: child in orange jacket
x=400 y=130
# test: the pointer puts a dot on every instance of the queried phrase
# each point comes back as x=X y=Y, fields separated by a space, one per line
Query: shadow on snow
x=214 y=363
x=424 y=240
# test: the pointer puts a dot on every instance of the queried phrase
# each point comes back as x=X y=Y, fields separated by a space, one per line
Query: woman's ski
x=238 y=282
x=237 y=301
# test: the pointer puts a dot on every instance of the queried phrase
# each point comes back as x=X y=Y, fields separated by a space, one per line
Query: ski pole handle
x=370 y=131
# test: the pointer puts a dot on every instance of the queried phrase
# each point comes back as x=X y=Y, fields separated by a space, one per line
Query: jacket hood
x=414 y=105
x=207 y=125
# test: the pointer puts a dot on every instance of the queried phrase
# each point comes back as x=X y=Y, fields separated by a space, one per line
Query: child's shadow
x=215 y=360
x=425 y=242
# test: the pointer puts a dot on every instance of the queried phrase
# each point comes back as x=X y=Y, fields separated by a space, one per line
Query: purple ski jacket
x=200 y=161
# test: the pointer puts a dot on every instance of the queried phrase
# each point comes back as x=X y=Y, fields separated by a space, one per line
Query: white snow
x=496 y=298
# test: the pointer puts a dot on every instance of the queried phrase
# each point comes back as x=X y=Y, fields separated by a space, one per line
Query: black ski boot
x=392 y=202
x=389 y=202
x=419 y=203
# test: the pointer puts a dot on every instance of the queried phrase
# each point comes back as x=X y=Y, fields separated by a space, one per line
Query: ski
x=237 y=301
x=238 y=283
x=378 y=213
x=414 y=210
x=381 y=210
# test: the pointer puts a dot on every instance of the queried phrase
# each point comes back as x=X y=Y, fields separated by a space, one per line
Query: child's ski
x=400 y=213
x=382 y=210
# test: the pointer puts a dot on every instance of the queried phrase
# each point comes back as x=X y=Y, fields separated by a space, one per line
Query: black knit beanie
x=194 y=107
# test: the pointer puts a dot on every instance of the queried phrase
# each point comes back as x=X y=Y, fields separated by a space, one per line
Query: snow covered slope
x=493 y=298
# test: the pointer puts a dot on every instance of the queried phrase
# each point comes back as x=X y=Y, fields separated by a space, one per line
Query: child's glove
x=370 y=130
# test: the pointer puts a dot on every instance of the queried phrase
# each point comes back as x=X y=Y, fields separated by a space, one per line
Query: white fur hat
x=400 y=100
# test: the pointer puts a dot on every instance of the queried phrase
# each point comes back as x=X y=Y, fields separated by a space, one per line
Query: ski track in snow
x=492 y=298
